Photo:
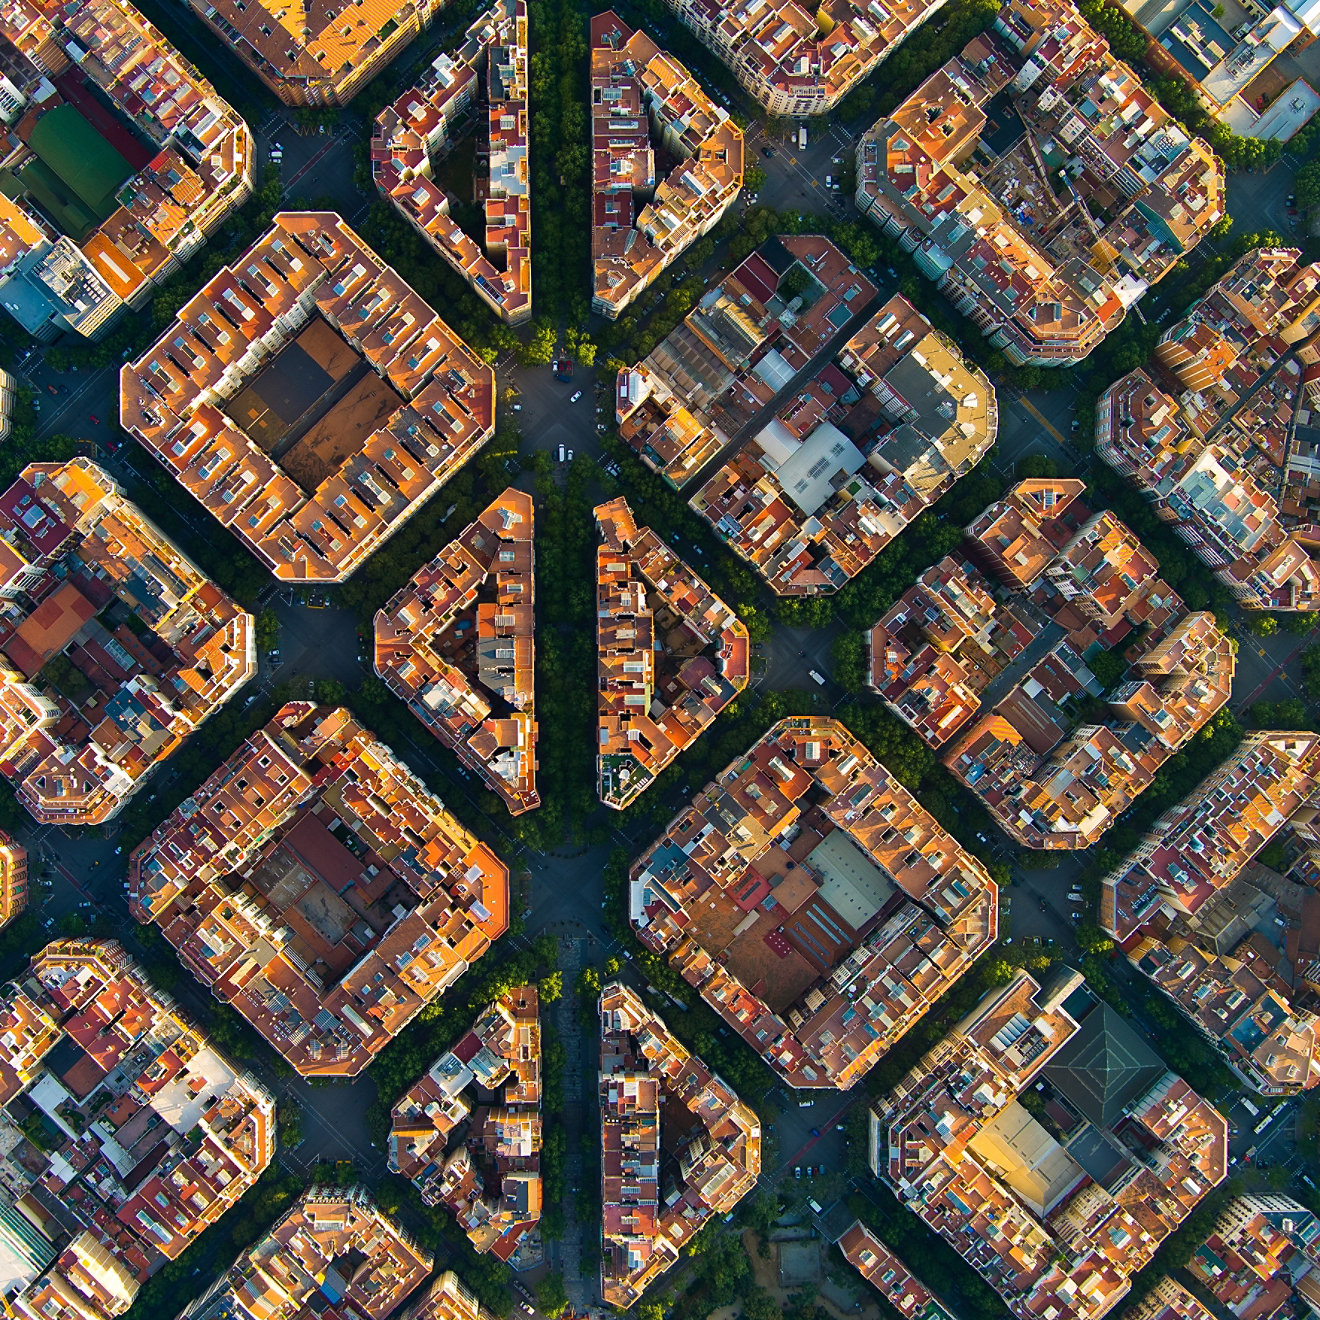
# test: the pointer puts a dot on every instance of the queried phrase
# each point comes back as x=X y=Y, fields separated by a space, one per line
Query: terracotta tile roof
x=76 y=548
x=140 y=1201
x=309 y=266
x=328 y=979
x=410 y=135
x=457 y=644
x=903 y=908
x=657 y=694
x=653 y=1092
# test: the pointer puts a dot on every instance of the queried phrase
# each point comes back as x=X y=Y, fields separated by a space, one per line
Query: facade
x=318 y=886
x=113 y=646
x=457 y=645
x=1262 y=1259
x=13 y=879
x=481 y=1158
x=316 y=56
x=996 y=673
x=448 y=1298
x=677 y=1146
x=1226 y=940
x=334 y=1256
x=885 y=1272
x=994 y=171
x=309 y=399
x=122 y=161
x=1046 y=1143
x=813 y=902
x=415 y=132
x=125 y=1135
x=1217 y=433
x=644 y=103
x=796 y=60
x=1169 y=1300
x=670 y=655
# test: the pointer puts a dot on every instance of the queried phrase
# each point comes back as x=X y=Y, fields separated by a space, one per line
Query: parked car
x=561 y=453
x=517 y=407
x=570 y=455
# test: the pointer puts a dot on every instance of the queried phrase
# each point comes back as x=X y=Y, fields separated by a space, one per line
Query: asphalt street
x=566 y=896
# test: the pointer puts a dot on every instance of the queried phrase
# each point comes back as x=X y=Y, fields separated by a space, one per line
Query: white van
x=819 y=677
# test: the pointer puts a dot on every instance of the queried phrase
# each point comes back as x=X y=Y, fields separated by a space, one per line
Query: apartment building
x=13 y=879
x=1217 y=432
x=670 y=655
x=412 y=135
x=681 y=406
x=794 y=60
x=1169 y=1300
x=125 y=1134
x=123 y=160
x=1228 y=69
x=309 y=399
x=457 y=645
x=334 y=1256
x=889 y=1276
x=317 y=56
x=448 y=1298
x=985 y=656
x=468 y=1134
x=1039 y=184
x=318 y=886
x=813 y=902
x=657 y=1097
x=1047 y=1144
x=113 y=646
x=854 y=450
x=1262 y=1259
x=1223 y=938
x=644 y=102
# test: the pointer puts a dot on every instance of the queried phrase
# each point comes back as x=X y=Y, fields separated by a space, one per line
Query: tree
x=551 y=1296
x=1263 y=625
x=551 y=987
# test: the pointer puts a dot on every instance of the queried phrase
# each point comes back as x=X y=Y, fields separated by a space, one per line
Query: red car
x=94 y=419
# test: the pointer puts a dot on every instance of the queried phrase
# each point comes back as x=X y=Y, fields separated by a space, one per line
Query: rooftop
x=468 y=1133
x=643 y=219
x=1044 y=249
x=411 y=135
x=996 y=673
x=317 y=54
x=678 y=1146
x=1054 y=1184
x=309 y=399
x=334 y=1256
x=798 y=60
x=148 y=1135
x=91 y=84
x=457 y=644
x=1217 y=432
x=813 y=902
x=113 y=646
x=1161 y=905
x=317 y=885
x=670 y=655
